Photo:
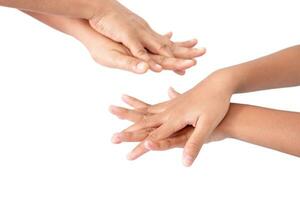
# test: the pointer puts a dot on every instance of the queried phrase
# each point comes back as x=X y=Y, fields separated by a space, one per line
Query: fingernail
x=125 y=96
x=189 y=62
x=130 y=156
x=187 y=160
x=158 y=67
x=202 y=50
x=141 y=67
x=147 y=145
x=112 y=108
x=116 y=138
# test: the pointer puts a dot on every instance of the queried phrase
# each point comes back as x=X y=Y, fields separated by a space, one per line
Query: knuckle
x=129 y=62
x=100 y=26
x=141 y=52
x=162 y=59
x=146 y=121
x=163 y=47
x=167 y=144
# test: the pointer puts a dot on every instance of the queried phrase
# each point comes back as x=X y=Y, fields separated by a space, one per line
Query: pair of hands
x=128 y=42
x=187 y=120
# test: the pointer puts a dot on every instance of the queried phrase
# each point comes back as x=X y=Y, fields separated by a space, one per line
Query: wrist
x=101 y=8
x=229 y=78
x=81 y=31
x=224 y=81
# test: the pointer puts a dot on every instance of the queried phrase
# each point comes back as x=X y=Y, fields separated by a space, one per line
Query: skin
x=116 y=22
x=275 y=129
x=112 y=54
x=205 y=105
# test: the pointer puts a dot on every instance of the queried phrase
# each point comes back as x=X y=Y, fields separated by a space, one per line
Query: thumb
x=195 y=142
x=130 y=64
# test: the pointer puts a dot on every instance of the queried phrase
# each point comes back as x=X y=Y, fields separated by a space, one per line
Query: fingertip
x=112 y=108
x=190 y=63
x=194 y=41
x=172 y=93
x=202 y=50
x=125 y=98
x=169 y=34
x=130 y=156
x=141 y=68
x=158 y=68
x=171 y=90
x=116 y=138
x=187 y=160
x=180 y=72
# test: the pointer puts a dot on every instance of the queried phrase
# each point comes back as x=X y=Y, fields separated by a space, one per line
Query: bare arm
x=280 y=69
x=275 y=129
x=106 y=51
x=116 y=22
x=73 y=8
x=78 y=28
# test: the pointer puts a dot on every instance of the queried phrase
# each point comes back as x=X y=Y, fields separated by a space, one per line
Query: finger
x=180 y=72
x=144 y=107
x=137 y=152
x=173 y=63
x=129 y=63
x=124 y=113
x=188 y=53
x=164 y=131
x=129 y=137
x=168 y=35
x=187 y=44
x=115 y=139
x=134 y=102
x=169 y=143
x=138 y=50
x=158 y=108
x=147 y=122
x=173 y=93
x=195 y=142
x=157 y=44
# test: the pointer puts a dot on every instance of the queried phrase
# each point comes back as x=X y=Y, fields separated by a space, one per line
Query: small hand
x=202 y=107
x=121 y=25
x=138 y=113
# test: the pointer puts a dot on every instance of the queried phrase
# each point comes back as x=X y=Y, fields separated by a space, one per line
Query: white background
x=55 y=127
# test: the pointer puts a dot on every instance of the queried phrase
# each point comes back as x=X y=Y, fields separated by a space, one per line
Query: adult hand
x=121 y=25
x=112 y=54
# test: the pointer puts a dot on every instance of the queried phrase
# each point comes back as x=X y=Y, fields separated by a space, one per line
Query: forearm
x=77 y=28
x=278 y=130
x=281 y=69
x=73 y=8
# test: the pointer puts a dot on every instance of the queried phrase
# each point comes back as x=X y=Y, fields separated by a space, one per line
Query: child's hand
x=121 y=25
x=138 y=113
x=113 y=54
x=203 y=107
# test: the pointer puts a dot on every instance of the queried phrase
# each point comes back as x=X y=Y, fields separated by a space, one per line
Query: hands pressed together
x=136 y=39
x=118 y=38
x=187 y=120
